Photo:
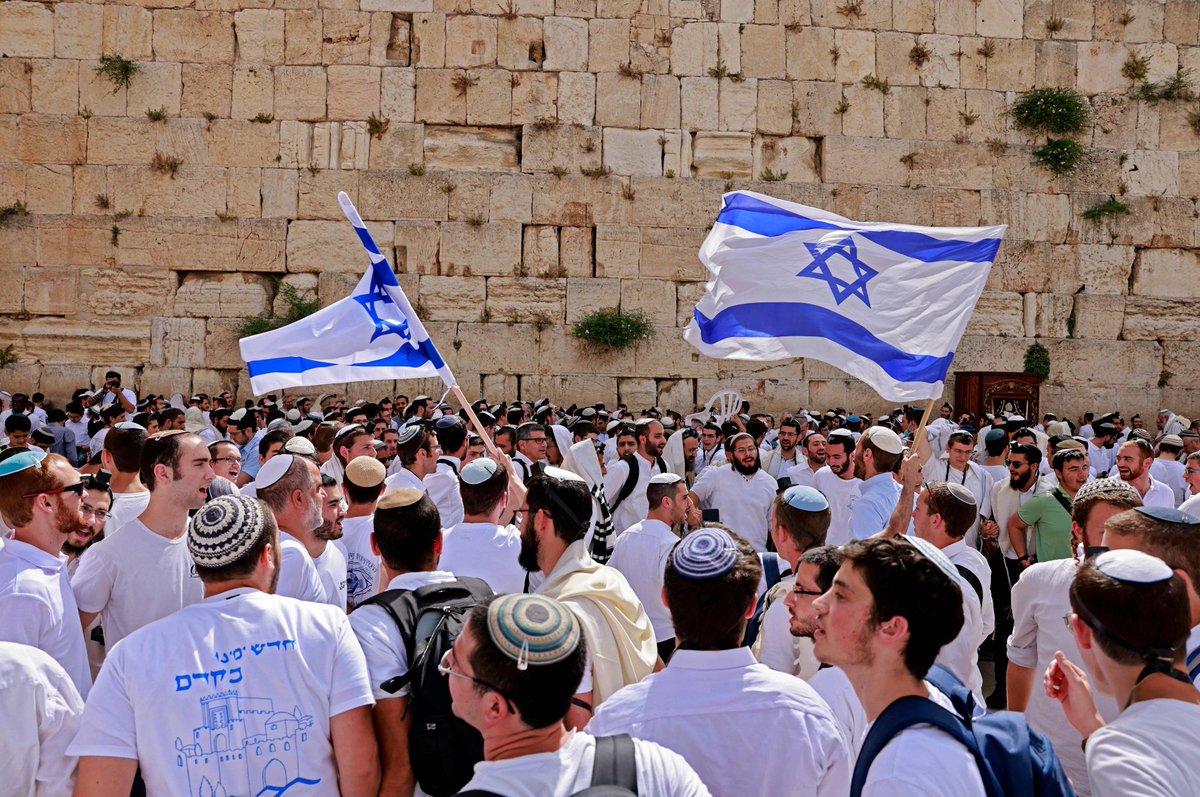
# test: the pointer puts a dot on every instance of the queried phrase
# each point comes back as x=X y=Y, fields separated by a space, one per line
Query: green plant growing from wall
x=610 y=328
x=1059 y=155
x=119 y=71
x=1136 y=68
x=1176 y=87
x=297 y=304
x=12 y=211
x=1037 y=362
x=1112 y=207
x=1053 y=111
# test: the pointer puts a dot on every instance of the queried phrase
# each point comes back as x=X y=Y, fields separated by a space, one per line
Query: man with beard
x=1134 y=460
x=1050 y=513
x=778 y=461
x=878 y=451
x=956 y=467
x=329 y=559
x=93 y=510
x=299 y=658
x=290 y=485
x=625 y=489
x=815 y=448
x=39 y=500
x=712 y=449
x=144 y=572
x=744 y=494
x=838 y=484
x=555 y=517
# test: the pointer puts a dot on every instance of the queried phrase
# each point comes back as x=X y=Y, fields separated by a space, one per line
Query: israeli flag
x=887 y=303
x=373 y=334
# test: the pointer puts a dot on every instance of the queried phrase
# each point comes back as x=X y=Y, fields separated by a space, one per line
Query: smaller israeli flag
x=373 y=334
x=887 y=303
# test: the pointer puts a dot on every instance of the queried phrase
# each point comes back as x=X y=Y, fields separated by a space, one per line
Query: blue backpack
x=1013 y=759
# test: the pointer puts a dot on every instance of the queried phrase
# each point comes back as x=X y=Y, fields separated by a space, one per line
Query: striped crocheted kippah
x=532 y=629
x=705 y=554
x=225 y=529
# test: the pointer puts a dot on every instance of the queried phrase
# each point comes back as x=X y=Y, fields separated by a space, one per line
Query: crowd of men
x=309 y=596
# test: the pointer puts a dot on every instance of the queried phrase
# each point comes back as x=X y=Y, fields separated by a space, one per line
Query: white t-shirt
x=745 y=502
x=839 y=493
x=486 y=551
x=298 y=576
x=838 y=693
x=331 y=567
x=641 y=555
x=442 y=487
x=1191 y=506
x=41 y=708
x=1151 y=750
x=922 y=761
x=636 y=505
x=660 y=772
x=134 y=578
x=775 y=646
x=973 y=561
x=125 y=507
x=975 y=479
x=800 y=474
x=237 y=690
x=362 y=564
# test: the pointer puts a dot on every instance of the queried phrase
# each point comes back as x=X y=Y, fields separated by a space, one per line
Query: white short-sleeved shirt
x=838 y=693
x=331 y=568
x=486 y=551
x=922 y=761
x=1151 y=750
x=377 y=632
x=872 y=509
x=237 y=690
x=712 y=708
x=975 y=479
x=41 y=709
x=660 y=772
x=641 y=555
x=134 y=578
x=403 y=479
x=298 y=576
x=745 y=502
x=125 y=507
x=967 y=557
x=636 y=505
x=800 y=474
x=37 y=608
x=442 y=487
x=840 y=493
x=362 y=564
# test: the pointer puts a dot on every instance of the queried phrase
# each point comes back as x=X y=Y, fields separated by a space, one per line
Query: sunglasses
x=76 y=488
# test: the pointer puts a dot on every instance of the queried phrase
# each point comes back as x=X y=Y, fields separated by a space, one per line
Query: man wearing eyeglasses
x=40 y=498
x=1191 y=475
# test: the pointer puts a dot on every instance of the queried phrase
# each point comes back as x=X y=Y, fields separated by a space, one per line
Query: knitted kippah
x=365 y=472
x=532 y=629
x=224 y=529
x=705 y=554
x=399 y=498
x=1102 y=486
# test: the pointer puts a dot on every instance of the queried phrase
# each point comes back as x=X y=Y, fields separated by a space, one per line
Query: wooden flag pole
x=919 y=434
x=487 y=440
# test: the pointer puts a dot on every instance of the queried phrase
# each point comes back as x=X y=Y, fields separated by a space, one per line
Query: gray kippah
x=1103 y=486
x=224 y=529
x=704 y=554
x=532 y=629
x=479 y=470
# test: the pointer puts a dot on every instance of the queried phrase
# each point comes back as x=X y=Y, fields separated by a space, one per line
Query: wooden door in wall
x=996 y=393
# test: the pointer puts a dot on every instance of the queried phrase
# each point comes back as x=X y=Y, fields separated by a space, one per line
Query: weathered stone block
x=50 y=139
x=124 y=292
x=27 y=30
x=53 y=88
x=608 y=44
x=722 y=155
x=1156 y=319
x=618 y=100
x=700 y=103
x=300 y=92
x=253 y=92
x=489 y=249
x=78 y=30
x=260 y=36
x=193 y=36
x=470 y=41
x=764 y=51
x=793 y=158
x=471 y=148
x=660 y=101
x=1167 y=274
x=353 y=92
x=346 y=37
x=55 y=341
x=585 y=296
x=527 y=300
x=315 y=246
x=738 y=105
x=302 y=35
x=207 y=88
x=51 y=291
x=399 y=195
x=633 y=151
x=222 y=296
x=519 y=43
x=535 y=98
x=576 y=98
x=128 y=30
x=545 y=147
x=441 y=96
x=452 y=298
x=566 y=43
x=694 y=48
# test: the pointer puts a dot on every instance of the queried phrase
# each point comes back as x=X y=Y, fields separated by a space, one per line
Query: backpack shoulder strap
x=771 y=570
x=630 y=481
x=402 y=608
x=615 y=763
x=1062 y=499
x=973 y=580
x=450 y=462
x=662 y=465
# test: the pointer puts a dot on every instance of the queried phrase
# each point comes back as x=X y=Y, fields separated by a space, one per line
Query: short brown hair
x=16 y=509
x=482 y=498
x=885 y=461
x=805 y=529
x=1143 y=615
x=711 y=614
x=1174 y=543
x=161 y=449
x=957 y=516
x=125 y=448
x=407 y=535
x=1081 y=508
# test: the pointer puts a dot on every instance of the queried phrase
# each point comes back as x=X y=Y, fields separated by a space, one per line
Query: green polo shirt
x=1051 y=525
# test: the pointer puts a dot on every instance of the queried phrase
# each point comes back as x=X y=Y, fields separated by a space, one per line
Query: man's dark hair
x=271 y=438
x=805 y=529
x=482 y=498
x=361 y=495
x=505 y=431
x=956 y=516
x=625 y=430
x=55 y=416
x=905 y=583
x=1144 y=615
x=451 y=436
x=406 y=535
x=996 y=447
x=845 y=441
x=526 y=430
x=160 y=449
x=17 y=423
x=125 y=448
x=1061 y=458
x=357 y=415
x=542 y=693
x=566 y=501
x=791 y=423
x=407 y=451
x=168 y=416
x=244 y=565
x=581 y=429
x=1032 y=454
x=74 y=407
x=655 y=493
x=1081 y=508
x=1174 y=543
x=710 y=614
x=827 y=558
x=756 y=429
x=348 y=439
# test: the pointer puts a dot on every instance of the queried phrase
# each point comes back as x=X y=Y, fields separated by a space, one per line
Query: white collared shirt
x=403 y=479
x=41 y=709
x=486 y=551
x=298 y=576
x=745 y=502
x=442 y=487
x=840 y=493
x=641 y=555
x=714 y=707
x=1159 y=494
x=967 y=557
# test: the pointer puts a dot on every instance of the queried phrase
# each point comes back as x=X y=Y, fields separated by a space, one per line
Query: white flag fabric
x=373 y=334
x=887 y=303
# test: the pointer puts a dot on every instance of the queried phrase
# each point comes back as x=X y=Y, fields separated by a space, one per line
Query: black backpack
x=631 y=479
x=442 y=748
x=614 y=770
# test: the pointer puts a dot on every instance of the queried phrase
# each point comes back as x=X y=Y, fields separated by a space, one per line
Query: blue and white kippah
x=705 y=554
x=1133 y=567
x=532 y=629
x=19 y=462
x=477 y=471
x=807 y=499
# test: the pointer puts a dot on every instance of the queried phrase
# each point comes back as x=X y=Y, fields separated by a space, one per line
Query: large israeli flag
x=887 y=303
x=373 y=334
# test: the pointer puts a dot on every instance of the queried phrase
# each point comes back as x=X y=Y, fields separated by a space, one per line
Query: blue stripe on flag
x=790 y=319
x=763 y=218
x=404 y=357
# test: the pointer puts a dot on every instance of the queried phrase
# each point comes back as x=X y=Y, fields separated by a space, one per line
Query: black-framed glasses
x=76 y=488
x=445 y=669
x=798 y=591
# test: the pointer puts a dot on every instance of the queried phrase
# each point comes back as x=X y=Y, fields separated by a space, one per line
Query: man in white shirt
x=417 y=454
x=627 y=510
x=878 y=451
x=329 y=559
x=532 y=440
x=838 y=484
x=742 y=493
x=290 y=485
x=943 y=513
x=121 y=456
x=484 y=545
x=518 y=700
x=778 y=461
x=143 y=571
x=712 y=448
x=1191 y=474
x=1168 y=467
x=1099 y=448
x=1134 y=460
x=77 y=424
x=956 y=467
x=40 y=498
x=362 y=484
x=641 y=552
x=712 y=701
x=1039 y=601
x=41 y=708
x=876 y=625
x=246 y=691
x=442 y=485
x=112 y=393
x=814 y=448
x=353 y=440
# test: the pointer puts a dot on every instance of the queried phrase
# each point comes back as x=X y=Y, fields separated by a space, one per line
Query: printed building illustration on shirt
x=244 y=747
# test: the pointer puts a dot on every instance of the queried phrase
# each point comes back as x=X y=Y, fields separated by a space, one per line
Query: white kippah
x=665 y=478
x=409 y=432
x=1133 y=567
x=563 y=475
x=273 y=470
x=300 y=445
x=477 y=471
x=885 y=439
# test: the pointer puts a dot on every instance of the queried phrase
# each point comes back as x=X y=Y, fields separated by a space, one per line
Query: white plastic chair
x=724 y=404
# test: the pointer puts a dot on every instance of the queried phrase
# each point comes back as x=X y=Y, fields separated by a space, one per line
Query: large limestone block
x=471 y=148
x=429 y=40
x=722 y=155
x=346 y=37
x=519 y=43
x=470 y=41
x=810 y=54
x=159 y=86
x=570 y=390
x=55 y=341
x=259 y=36
x=511 y=198
x=302 y=35
x=253 y=92
x=1053 y=315
x=440 y=98
x=177 y=342
x=492 y=348
x=193 y=36
x=561 y=353
x=58 y=382
x=535 y=98
x=793 y=155
x=300 y=92
x=566 y=43
x=585 y=296
x=124 y=292
x=48 y=188
x=575 y=256
x=78 y=30
x=398 y=90
x=452 y=298
x=1098 y=316
x=608 y=44
x=207 y=88
x=565 y=200
x=570 y=147
x=493 y=248
x=51 y=291
x=866 y=161
x=669 y=355
x=243 y=143
x=44 y=139
x=526 y=300
x=399 y=195
x=1167 y=274
x=353 y=92
x=576 y=98
x=618 y=250
x=27 y=30
x=764 y=52
x=203 y=245
x=221 y=348
x=660 y=102
x=699 y=98
x=1013 y=65
x=637 y=392
x=418 y=246
x=618 y=100
x=633 y=151
x=655 y=298
x=1127 y=362
x=315 y=246
x=738 y=105
x=52 y=88
x=128 y=30
x=669 y=253
x=222 y=295
x=1152 y=173
x=815 y=103
x=694 y=48
x=1158 y=319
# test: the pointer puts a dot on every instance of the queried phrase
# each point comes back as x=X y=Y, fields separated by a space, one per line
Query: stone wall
x=493 y=111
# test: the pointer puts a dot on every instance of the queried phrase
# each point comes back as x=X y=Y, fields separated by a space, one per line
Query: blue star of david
x=819 y=269
x=370 y=300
